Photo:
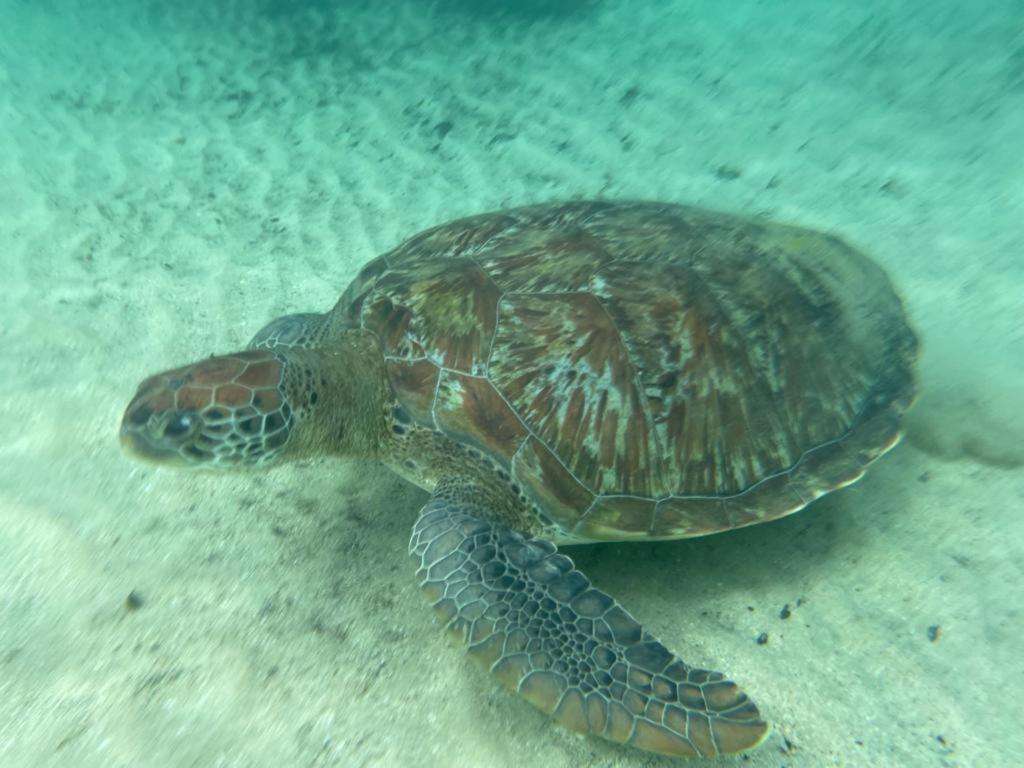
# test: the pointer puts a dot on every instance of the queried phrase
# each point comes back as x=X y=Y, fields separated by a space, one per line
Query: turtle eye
x=179 y=425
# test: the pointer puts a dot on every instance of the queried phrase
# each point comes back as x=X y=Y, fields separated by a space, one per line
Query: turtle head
x=222 y=411
x=258 y=406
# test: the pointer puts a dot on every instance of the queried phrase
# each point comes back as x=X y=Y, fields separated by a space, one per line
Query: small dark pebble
x=785 y=613
x=443 y=128
x=934 y=632
x=762 y=639
x=134 y=601
x=924 y=477
x=894 y=188
x=501 y=138
x=728 y=172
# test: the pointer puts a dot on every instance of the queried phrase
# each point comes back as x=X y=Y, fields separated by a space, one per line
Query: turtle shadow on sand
x=795 y=550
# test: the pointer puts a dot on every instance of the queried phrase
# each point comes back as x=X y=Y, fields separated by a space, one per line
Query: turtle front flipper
x=525 y=612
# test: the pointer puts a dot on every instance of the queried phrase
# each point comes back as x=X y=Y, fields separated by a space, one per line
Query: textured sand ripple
x=173 y=175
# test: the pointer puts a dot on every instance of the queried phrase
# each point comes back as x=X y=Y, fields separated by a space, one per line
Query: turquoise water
x=173 y=176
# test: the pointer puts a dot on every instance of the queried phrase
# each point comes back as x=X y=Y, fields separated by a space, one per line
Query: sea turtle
x=565 y=373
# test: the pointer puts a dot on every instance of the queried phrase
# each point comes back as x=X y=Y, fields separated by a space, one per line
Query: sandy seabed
x=174 y=175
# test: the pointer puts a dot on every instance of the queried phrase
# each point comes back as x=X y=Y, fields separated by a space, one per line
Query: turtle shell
x=645 y=370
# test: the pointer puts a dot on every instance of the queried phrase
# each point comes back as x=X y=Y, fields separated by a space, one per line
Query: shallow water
x=174 y=175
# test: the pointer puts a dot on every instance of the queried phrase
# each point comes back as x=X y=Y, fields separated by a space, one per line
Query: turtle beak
x=155 y=435
x=156 y=427
x=137 y=446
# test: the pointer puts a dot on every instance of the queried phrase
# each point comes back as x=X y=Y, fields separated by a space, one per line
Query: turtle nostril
x=179 y=425
x=140 y=415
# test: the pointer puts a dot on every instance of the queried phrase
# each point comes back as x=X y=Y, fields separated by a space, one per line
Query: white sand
x=171 y=179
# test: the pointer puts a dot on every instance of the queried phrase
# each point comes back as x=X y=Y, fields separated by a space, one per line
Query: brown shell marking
x=562 y=365
x=647 y=370
x=544 y=261
x=471 y=409
x=443 y=311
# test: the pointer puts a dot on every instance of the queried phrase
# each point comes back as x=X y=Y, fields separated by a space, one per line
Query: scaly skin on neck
x=264 y=405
